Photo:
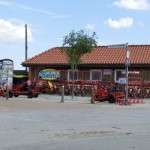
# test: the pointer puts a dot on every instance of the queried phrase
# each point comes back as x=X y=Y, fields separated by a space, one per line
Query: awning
x=19 y=76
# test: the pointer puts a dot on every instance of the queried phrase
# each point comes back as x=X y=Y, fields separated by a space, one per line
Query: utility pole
x=126 y=65
x=26 y=43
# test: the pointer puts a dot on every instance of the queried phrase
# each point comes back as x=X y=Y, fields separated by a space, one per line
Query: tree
x=75 y=45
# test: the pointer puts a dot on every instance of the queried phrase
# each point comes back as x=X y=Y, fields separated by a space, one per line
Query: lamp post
x=26 y=44
x=127 y=68
x=126 y=65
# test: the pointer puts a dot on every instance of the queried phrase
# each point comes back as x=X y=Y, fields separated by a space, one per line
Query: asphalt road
x=46 y=124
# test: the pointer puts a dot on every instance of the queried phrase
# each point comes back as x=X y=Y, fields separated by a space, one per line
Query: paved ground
x=47 y=124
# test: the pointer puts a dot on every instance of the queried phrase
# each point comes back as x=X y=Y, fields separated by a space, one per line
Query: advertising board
x=7 y=72
x=49 y=74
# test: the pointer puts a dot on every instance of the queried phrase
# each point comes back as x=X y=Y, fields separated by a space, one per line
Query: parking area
x=45 y=101
x=44 y=123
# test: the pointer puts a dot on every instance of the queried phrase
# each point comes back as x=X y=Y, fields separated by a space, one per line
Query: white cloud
x=132 y=4
x=4 y=3
x=11 y=32
x=46 y=12
x=60 y=16
x=90 y=26
x=121 y=23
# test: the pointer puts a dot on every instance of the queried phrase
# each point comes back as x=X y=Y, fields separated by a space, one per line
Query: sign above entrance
x=122 y=80
x=49 y=74
x=117 y=45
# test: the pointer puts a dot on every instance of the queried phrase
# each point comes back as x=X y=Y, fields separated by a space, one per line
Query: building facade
x=103 y=63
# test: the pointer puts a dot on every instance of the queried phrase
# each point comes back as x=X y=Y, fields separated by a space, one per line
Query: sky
x=48 y=21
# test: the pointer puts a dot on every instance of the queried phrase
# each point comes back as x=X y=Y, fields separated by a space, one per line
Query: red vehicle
x=3 y=92
x=25 y=89
x=107 y=93
x=48 y=87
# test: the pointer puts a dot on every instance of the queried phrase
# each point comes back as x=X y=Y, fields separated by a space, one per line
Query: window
x=119 y=74
x=107 y=75
x=70 y=74
x=96 y=75
x=63 y=74
x=86 y=75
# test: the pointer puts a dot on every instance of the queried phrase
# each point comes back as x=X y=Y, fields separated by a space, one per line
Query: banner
x=122 y=80
x=7 y=72
x=49 y=74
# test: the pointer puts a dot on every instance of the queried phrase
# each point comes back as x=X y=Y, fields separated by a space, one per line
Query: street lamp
x=126 y=64
x=26 y=44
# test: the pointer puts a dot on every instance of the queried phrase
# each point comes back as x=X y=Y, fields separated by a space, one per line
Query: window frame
x=75 y=71
x=115 y=76
x=94 y=70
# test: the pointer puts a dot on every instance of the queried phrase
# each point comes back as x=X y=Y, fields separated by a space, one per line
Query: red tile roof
x=139 y=54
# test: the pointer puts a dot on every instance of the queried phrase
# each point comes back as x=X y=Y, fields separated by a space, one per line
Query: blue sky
x=48 y=21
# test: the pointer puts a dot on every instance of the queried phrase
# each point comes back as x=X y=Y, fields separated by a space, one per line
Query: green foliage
x=76 y=44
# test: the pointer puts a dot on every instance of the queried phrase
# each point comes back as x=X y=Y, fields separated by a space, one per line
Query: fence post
x=62 y=94
x=92 y=96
